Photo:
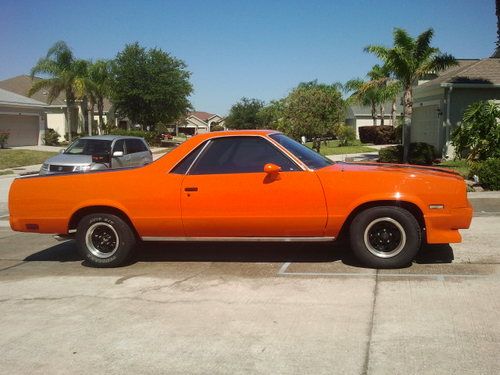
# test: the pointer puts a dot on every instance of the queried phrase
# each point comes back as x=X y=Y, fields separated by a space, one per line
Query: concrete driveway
x=250 y=308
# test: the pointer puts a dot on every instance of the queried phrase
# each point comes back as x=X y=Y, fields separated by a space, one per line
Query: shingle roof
x=10 y=98
x=22 y=84
x=485 y=71
x=203 y=116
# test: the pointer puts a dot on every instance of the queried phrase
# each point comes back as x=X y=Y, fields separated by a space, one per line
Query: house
x=55 y=111
x=358 y=116
x=23 y=118
x=199 y=122
x=439 y=103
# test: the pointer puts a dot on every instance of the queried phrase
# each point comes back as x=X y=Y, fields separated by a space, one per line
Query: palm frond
x=380 y=51
x=423 y=44
x=403 y=40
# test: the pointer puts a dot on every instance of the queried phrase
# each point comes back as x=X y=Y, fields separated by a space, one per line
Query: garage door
x=23 y=130
x=425 y=125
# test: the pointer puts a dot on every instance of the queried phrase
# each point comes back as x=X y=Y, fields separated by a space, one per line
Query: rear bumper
x=443 y=227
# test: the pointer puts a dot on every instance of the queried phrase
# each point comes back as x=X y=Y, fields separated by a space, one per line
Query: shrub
x=420 y=153
x=217 y=128
x=478 y=137
x=488 y=174
x=153 y=138
x=51 y=138
x=345 y=134
x=378 y=135
x=3 y=139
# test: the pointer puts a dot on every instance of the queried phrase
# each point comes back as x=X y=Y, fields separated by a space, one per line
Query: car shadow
x=251 y=252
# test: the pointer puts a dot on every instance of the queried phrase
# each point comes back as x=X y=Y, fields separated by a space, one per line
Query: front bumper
x=443 y=227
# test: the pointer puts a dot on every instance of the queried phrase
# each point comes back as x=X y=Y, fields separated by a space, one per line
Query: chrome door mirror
x=117 y=154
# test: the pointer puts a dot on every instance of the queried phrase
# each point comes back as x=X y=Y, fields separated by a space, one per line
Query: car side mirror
x=61 y=151
x=271 y=168
x=117 y=154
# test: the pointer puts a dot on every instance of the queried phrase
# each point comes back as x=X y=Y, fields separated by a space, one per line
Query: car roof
x=237 y=132
x=110 y=137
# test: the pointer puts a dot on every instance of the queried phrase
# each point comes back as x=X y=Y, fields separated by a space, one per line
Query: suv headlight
x=45 y=167
x=82 y=168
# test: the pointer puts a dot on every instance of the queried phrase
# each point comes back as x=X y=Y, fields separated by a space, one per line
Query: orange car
x=252 y=185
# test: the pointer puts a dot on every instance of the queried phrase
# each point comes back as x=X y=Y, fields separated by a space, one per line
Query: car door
x=137 y=151
x=226 y=193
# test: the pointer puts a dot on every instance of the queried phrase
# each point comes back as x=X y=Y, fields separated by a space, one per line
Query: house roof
x=22 y=84
x=11 y=98
x=485 y=71
x=203 y=116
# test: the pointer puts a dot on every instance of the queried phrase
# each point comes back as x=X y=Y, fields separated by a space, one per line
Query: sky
x=234 y=49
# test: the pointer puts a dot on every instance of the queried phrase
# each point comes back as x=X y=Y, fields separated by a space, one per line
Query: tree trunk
x=393 y=112
x=100 y=110
x=374 y=113
x=69 y=105
x=316 y=144
x=90 y=115
x=408 y=109
x=382 y=114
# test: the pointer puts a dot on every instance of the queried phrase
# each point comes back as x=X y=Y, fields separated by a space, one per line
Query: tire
x=385 y=237
x=104 y=240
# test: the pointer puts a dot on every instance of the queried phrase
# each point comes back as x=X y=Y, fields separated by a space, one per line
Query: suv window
x=240 y=155
x=135 y=145
x=119 y=146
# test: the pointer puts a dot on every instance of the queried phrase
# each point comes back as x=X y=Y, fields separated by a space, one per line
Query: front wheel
x=385 y=237
x=104 y=240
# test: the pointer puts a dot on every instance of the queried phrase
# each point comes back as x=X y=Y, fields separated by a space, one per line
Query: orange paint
x=301 y=203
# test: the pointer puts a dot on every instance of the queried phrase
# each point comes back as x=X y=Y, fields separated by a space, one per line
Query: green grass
x=461 y=166
x=6 y=172
x=20 y=158
x=333 y=148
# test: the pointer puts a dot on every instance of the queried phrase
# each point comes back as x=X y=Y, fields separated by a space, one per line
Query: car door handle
x=193 y=188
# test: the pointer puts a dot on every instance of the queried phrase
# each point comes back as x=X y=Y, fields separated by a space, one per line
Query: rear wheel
x=385 y=237
x=105 y=240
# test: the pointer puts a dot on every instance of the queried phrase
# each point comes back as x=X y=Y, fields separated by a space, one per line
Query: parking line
x=438 y=277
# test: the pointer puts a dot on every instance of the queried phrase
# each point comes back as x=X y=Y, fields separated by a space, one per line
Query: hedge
x=379 y=135
x=488 y=173
x=419 y=153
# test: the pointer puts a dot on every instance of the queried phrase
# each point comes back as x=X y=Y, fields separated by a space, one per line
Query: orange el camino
x=253 y=185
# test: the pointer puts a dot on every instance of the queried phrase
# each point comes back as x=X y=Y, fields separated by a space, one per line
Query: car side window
x=119 y=146
x=135 y=145
x=184 y=165
x=240 y=155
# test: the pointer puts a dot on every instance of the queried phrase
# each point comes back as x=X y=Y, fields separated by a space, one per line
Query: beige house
x=199 y=122
x=358 y=116
x=23 y=118
x=55 y=111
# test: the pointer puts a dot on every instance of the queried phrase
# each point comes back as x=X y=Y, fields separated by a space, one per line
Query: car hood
x=68 y=159
x=415 y=170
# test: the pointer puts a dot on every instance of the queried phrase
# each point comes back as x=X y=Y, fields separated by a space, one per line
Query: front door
x=226 y=193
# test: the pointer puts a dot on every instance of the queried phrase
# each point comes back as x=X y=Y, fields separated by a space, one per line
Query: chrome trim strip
x=197 y=156
x=240 y=239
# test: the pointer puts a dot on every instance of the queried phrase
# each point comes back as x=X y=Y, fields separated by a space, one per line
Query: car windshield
x=307 y=156
x=89 y=147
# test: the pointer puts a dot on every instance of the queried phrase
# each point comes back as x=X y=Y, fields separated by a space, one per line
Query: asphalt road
x=238 y=308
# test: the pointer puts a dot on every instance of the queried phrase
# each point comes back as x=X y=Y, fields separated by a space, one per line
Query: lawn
x=460 y=166
x=19 y=158
x=333 y=148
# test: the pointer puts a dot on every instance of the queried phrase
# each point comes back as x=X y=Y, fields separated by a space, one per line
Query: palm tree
x=362 y=95
x=100 y=75
x=386 y=87
x=408 y=60
x=62 y=70
x=85 y=91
